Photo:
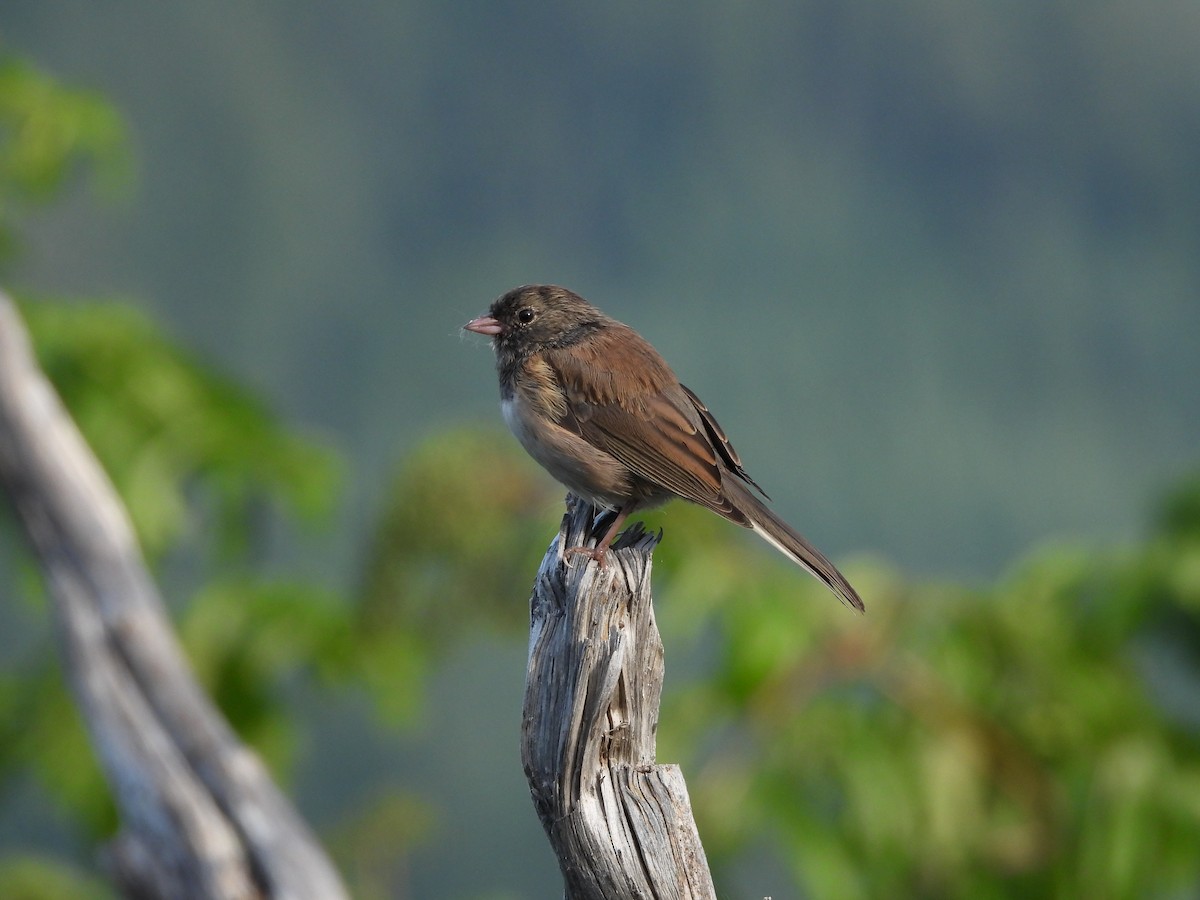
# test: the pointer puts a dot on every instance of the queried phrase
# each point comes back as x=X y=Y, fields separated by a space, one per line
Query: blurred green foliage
x=34 y=878
x=49 y=133
x=1014 y=740
x=463 y=527
x=1032 y=738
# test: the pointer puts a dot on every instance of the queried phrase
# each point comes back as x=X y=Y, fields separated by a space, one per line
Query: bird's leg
x=600 y=552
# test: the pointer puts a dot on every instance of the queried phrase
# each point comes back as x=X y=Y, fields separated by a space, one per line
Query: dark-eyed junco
x=600 y=409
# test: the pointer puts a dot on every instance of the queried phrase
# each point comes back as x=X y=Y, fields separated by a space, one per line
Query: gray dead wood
x=621 y=825
x=200 y=816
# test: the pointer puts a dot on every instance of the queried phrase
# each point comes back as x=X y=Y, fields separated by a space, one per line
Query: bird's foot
x=598 y=554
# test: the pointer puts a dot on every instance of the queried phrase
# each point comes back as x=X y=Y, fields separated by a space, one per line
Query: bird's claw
x=598 y=554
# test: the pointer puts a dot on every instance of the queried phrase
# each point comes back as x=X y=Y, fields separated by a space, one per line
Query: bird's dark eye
x=526 y=315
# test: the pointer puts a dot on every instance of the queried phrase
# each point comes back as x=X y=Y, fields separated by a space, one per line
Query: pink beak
x=484 y=325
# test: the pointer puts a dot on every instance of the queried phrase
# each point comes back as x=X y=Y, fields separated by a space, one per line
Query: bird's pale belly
x=584 y=470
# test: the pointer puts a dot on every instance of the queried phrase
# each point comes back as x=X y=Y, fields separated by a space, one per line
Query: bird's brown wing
x=623 y=399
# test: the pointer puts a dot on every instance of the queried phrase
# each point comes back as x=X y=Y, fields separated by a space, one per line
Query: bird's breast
x=585 y=470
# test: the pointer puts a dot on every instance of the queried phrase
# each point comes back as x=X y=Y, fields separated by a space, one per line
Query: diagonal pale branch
x=620 y=824
x=201 y=817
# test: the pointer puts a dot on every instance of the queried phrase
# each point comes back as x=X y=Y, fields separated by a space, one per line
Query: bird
x=599 y=409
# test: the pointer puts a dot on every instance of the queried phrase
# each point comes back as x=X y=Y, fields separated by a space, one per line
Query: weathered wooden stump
x=620 y=824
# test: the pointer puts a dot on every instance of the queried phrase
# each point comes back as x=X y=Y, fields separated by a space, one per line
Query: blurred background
x=934 y=266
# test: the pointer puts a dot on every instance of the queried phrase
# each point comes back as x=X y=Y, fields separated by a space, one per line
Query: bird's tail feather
x=791 y=543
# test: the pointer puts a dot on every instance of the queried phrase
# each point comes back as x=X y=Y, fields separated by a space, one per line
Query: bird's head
x=537 y=317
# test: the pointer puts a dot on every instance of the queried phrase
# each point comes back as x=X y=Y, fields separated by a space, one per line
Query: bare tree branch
x=201 y=817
